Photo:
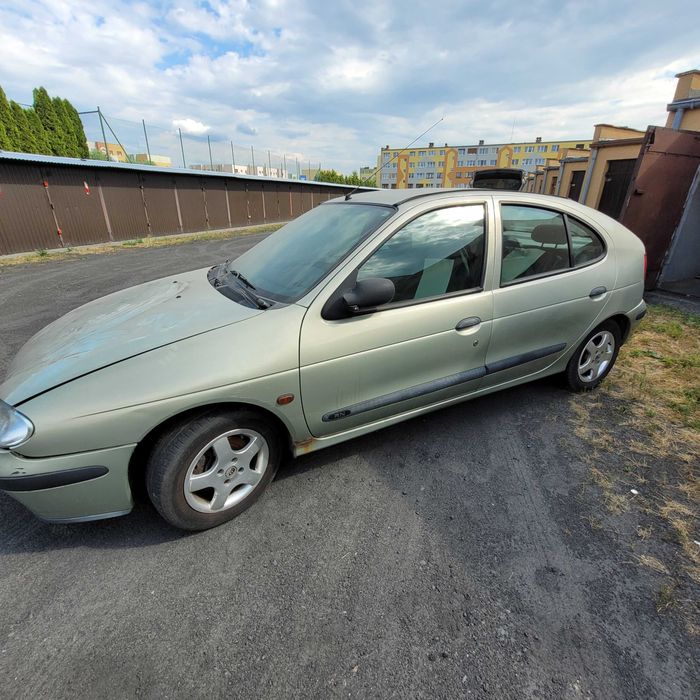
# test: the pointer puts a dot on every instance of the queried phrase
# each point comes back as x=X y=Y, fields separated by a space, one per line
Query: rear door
x=555 y=278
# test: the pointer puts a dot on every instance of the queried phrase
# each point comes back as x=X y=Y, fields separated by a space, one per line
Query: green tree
x=9 y=138
x=69 y=140
x=77 y=129
x=329 y=176
x=52 y=122
x=40 y=138
x=96 y=154
x=26 y=141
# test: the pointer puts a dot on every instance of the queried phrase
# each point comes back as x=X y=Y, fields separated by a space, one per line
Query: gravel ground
x=450 y=556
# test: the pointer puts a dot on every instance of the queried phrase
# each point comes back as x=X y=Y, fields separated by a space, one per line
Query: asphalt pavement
x=450 y=556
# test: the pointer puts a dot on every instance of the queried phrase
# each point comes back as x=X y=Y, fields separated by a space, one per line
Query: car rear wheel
x=594 y=358
x=205 y=471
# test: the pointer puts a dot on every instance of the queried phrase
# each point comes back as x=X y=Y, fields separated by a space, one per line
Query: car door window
x=534 y=242
x=586 y=245
x=438 y=253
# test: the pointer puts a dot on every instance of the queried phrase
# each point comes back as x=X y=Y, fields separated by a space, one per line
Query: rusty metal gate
x=662 y=176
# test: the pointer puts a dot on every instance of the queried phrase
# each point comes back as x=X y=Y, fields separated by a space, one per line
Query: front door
x=425 y=346
x=575 y=185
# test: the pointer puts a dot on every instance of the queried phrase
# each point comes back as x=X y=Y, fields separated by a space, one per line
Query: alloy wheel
x=226 y=470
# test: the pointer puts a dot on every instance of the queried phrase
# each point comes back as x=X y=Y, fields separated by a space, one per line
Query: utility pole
x=284 y=167
x=211 y=162
x=269 y=163
x=252 y=156
x=233 y=158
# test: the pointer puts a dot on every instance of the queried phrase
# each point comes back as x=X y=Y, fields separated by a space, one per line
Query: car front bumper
x=70 y=488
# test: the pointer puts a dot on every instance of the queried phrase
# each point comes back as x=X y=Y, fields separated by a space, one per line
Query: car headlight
x=15 y=427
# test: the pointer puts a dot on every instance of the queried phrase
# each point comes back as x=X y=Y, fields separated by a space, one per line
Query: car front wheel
x=594 y=358
x=205 y=471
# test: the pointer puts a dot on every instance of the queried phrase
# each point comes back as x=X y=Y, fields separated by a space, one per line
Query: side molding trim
x=442 y=383
x=50 y=480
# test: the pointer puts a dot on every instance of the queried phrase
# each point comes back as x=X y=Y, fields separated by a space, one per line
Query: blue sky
x=334 y=81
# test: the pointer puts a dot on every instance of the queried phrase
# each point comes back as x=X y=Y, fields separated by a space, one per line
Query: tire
x=594 y=357
x=204 y=471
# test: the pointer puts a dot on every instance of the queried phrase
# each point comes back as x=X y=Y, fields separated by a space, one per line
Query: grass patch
x=642 y=431
x=70 y=252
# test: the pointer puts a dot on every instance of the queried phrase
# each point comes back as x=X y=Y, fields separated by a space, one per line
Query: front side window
x=438 y=253
x=538 y=241
x=534 y=242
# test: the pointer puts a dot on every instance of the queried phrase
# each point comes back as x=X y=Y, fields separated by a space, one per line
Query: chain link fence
x=138 y=142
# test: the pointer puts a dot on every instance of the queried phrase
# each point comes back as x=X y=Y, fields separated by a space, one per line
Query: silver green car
x=366 y=311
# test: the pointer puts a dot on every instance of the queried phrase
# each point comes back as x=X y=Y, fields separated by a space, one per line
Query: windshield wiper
x=240 y=276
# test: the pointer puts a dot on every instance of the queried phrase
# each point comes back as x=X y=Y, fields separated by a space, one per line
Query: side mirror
x=368 y=293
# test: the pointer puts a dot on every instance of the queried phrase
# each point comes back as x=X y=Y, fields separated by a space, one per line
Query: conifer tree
x=26 y=141
x=42 y=143
x=70 y=146
x=9 y=136
x=51 y=121
x=77 y=129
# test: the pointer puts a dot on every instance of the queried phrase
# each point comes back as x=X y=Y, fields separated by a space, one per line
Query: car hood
x=116 y=327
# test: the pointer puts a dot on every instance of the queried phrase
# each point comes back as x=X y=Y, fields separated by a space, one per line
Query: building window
x=431 y=153
x=429 y=176
x=481 y=162
x=483 y=151
x=492 y=162
x=411 y=165
x=410 y=176
x=515 y=161
x=412 y=153
x=442 y=152
x=539 y=161
x=527 y=161
x=542 y=149
x=396 y=154
x=555 y=147
x=461 y=151
x=421 y=153
x=579 y=146
x=471 y=163
x=516 y=149
x=459 y=176
x=529 y=149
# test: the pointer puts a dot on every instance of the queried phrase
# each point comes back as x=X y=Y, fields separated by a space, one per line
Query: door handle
x=597 y=292
x=468 y=323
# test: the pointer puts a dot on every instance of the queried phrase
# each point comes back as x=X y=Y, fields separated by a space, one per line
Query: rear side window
x=534 y=242
x=586 y=245
x=538 y=241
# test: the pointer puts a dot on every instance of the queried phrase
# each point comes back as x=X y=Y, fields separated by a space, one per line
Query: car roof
x=400 y=196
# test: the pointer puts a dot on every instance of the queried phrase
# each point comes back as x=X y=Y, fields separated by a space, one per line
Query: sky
x=332 y=81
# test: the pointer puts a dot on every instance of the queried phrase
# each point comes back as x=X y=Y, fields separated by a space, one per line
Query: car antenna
x=383 y=165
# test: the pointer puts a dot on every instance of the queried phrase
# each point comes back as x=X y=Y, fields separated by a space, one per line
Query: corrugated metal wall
x=46 y=205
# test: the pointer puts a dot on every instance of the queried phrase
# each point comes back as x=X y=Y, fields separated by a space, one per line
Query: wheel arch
x=624 y=324
x=137 y=463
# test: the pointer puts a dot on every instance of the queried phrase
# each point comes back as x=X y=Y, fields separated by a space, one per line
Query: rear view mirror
x=369 y=293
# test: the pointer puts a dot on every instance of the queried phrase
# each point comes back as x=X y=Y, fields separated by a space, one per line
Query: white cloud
x=191 y=126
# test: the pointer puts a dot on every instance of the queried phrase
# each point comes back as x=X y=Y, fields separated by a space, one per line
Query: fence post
x=252 y=155
x=211 y=161
x=104 y=138
x=233 y=159
x=269 y=164
x=182 y=149
x=148 y=148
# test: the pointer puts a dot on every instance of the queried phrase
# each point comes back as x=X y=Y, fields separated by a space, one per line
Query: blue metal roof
x=87 y=163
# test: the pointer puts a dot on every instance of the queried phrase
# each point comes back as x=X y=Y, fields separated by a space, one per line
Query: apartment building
x=453 y=166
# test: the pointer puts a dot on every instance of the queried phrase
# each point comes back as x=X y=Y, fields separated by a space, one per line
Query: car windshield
x=293 y=260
